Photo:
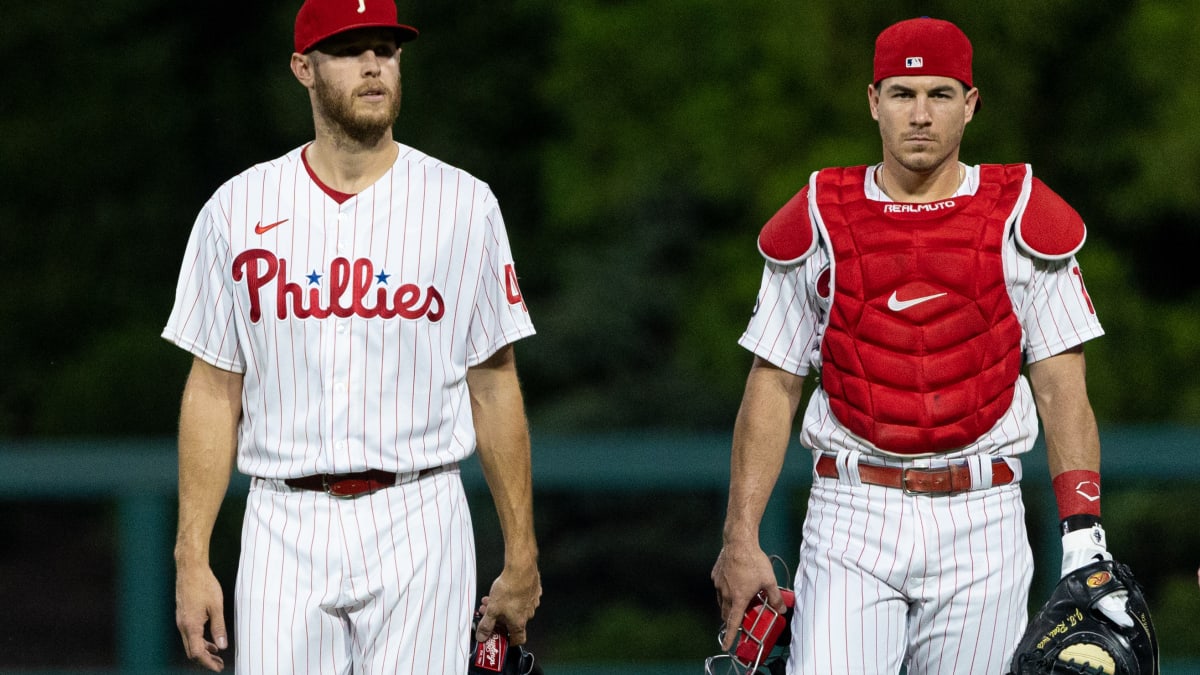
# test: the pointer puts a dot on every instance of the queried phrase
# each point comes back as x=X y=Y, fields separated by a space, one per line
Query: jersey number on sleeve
x=1086 y=297
x=511 y=289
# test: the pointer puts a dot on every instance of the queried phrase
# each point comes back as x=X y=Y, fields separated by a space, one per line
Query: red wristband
x=1077 y=493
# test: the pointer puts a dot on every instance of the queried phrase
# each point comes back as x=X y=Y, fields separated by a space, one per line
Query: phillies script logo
x=350 y=285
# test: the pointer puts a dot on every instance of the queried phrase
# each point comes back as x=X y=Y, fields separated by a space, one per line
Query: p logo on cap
x=321 y=19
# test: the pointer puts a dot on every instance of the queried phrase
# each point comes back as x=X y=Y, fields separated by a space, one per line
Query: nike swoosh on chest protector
x=897 y=305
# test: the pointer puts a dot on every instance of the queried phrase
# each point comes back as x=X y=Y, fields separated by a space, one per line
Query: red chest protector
x=922 y=350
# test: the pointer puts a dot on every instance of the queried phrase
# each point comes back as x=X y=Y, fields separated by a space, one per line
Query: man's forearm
x=502 y=436
x=760 y=440
x=208 y=422
x=506 y=468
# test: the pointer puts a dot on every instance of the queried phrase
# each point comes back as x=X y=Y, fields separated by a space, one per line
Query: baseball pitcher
x=351 y=308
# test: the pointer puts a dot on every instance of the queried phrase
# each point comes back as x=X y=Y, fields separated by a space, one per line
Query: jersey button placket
x=340 y=356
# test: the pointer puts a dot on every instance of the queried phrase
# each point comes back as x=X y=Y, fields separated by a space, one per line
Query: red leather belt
x=348 y=485
x=946 y=480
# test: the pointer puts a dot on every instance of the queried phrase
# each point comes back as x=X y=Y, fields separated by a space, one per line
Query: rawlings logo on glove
x=489 y=654
x=496 y=655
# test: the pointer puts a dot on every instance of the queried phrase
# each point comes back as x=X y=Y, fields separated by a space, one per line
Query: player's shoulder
x=410 y=159
x=789 y=237
x=249 y=185
x=1048 y=227
x=290 y=161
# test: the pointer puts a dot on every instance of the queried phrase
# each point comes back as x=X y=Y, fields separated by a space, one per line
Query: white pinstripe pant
x=940 y=583
x=383 y=583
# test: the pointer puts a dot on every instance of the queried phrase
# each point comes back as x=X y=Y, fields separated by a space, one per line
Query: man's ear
x=302 y=68
x=873 y=101
x=972 y=99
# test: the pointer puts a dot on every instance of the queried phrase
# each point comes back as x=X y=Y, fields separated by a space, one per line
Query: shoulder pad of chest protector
x=790 y=235
x=1048 y=227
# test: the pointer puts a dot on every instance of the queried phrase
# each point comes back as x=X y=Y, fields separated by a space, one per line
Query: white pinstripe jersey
x=354 y=323
x=1048 y=298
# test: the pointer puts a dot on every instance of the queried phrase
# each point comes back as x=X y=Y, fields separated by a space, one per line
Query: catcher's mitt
x=1070 y=635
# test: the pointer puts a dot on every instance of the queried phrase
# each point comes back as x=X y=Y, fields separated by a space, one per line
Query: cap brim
x=403 y=33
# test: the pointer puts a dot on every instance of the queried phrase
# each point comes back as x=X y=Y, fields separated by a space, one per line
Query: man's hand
x=740 y=573
x=514 y=597
x=1084 y=547
x=199 y=602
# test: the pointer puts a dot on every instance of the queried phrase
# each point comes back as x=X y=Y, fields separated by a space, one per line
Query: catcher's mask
x=763 y=638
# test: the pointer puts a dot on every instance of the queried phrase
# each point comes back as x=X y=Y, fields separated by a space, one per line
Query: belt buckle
x=948 y=490
x=332 y=489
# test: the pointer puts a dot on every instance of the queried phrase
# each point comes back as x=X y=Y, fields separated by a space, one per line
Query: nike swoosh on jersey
x=259 y=228
x=897 y=305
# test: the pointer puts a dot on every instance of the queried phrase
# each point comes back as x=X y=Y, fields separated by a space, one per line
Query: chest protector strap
x=922 y=350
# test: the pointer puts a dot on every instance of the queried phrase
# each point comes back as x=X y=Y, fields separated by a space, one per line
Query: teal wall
x=139 y=476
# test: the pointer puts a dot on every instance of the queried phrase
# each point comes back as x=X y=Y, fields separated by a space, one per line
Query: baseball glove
x=496 y=655
x=1070 y=635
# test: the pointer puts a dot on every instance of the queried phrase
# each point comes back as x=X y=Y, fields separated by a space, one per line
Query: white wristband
x=1082 y=547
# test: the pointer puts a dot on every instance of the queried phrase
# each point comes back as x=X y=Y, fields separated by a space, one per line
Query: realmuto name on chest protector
x=922 y=350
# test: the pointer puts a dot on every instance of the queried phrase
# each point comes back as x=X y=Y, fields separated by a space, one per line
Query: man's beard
x=364 y=128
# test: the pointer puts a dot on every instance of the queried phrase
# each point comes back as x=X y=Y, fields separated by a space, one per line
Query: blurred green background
x=635 y=148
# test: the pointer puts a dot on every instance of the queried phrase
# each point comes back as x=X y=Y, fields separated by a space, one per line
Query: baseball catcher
x=1078 y=631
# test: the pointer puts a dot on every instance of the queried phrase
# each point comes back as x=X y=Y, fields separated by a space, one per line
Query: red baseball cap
x=923 y=46
x=321 y=19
